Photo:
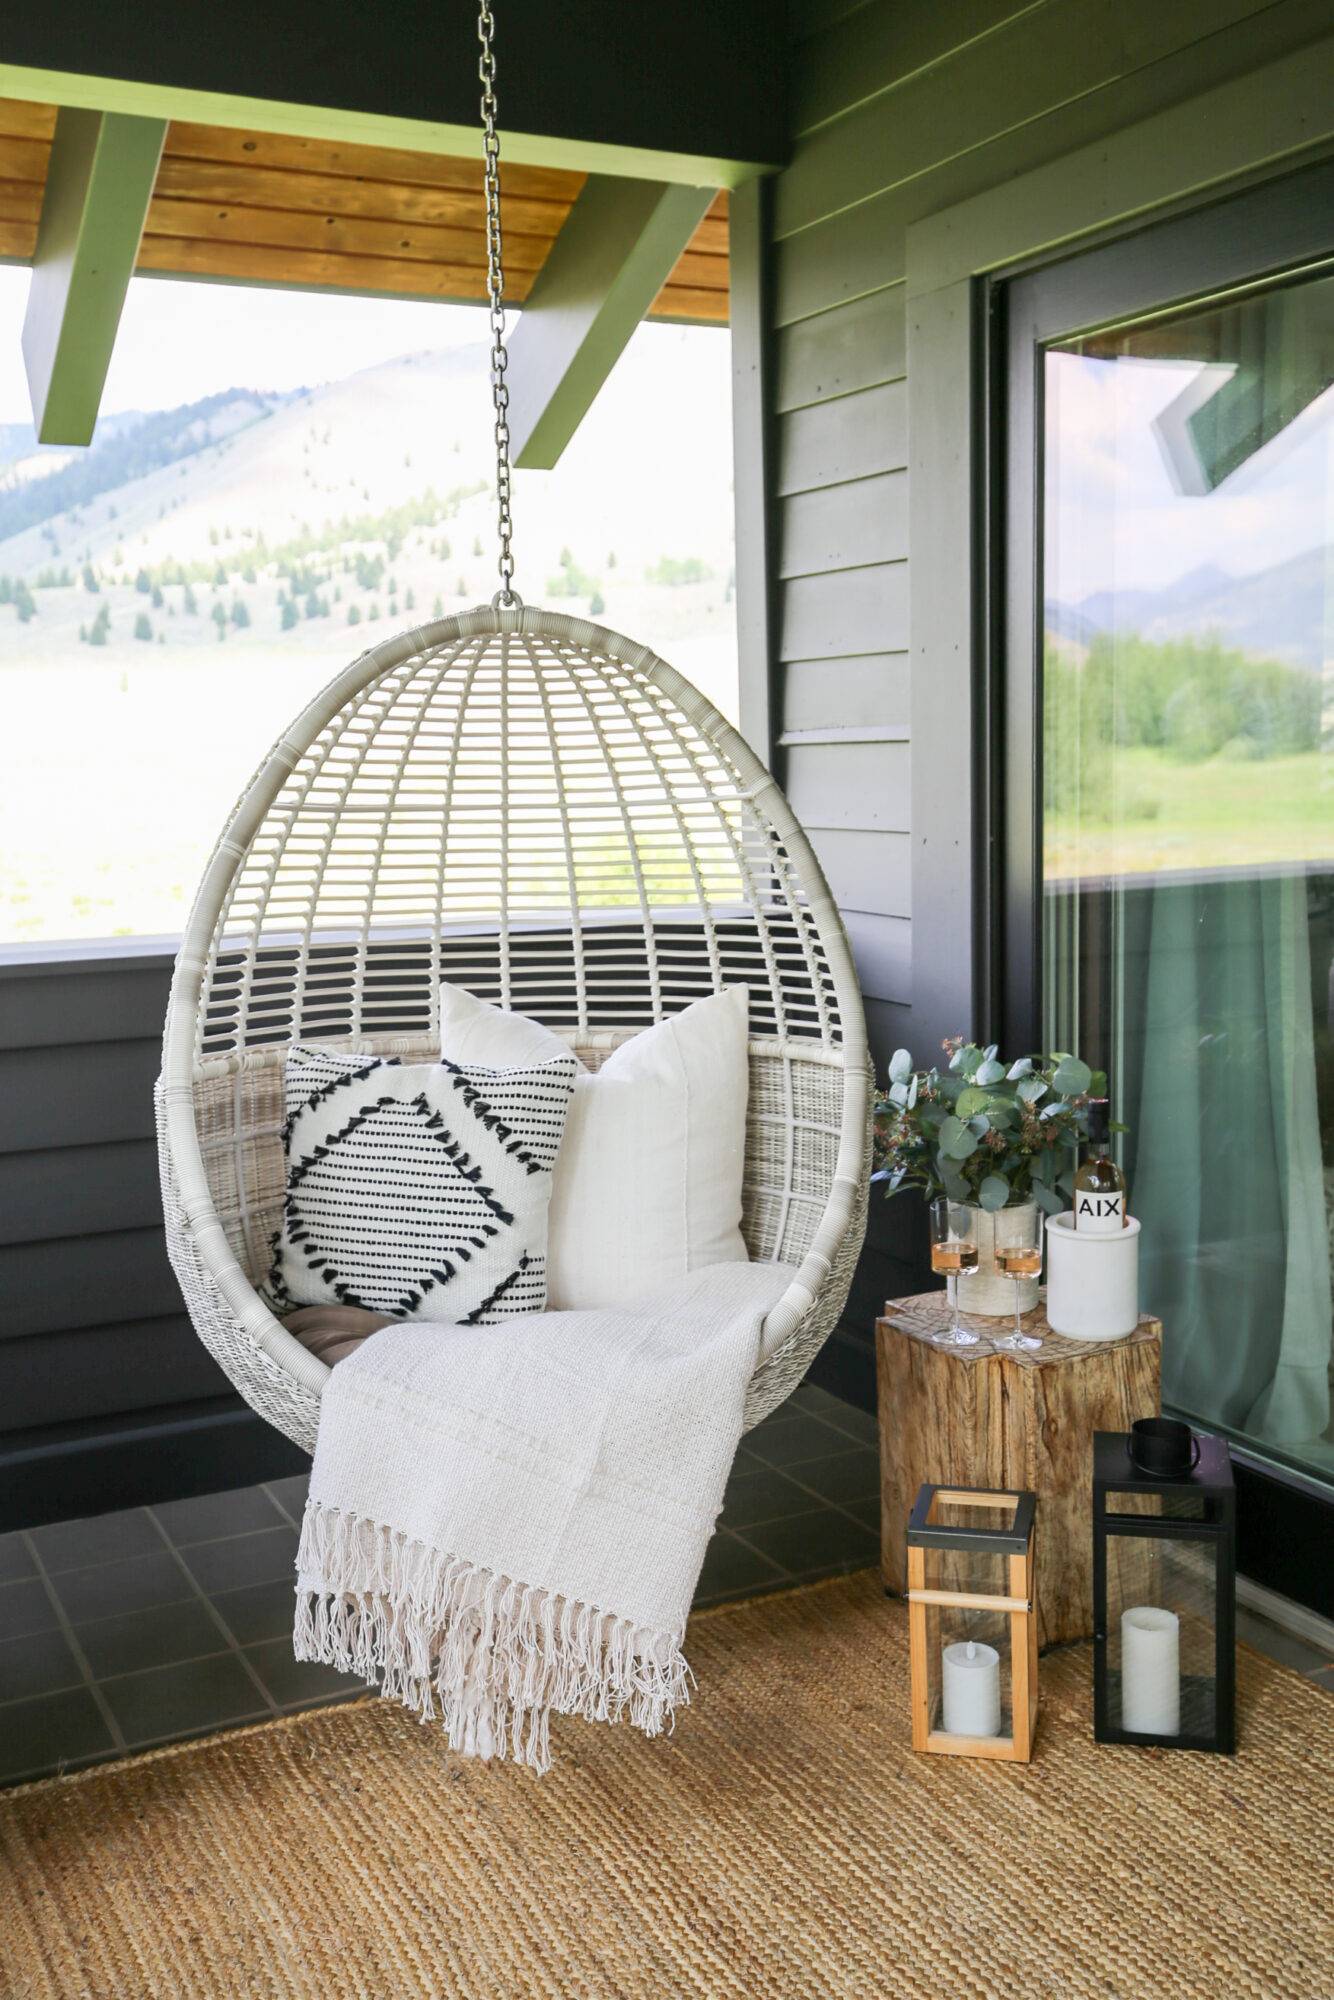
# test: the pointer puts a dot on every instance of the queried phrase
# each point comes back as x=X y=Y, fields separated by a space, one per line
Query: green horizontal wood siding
x=898 y=115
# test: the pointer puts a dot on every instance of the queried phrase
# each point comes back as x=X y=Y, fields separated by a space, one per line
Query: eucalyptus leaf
x=1047 y=1198
x=1031 y=1089
x=957 y=1059
x=1072 y=1077
x=990 y=1071
x=898 y=1093
x=970 y=1100
x=994 y=1192
x=956 y=1141
x=990 y=1051
x=912 y=1093
x=900 y=1066
x=953 y=1182
x=1024 y=1067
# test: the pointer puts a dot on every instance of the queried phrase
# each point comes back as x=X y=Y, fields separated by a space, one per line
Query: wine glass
x=1019 y=1255
x=954 y=1252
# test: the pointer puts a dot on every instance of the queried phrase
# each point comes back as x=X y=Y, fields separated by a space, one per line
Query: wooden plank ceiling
x=268 y=209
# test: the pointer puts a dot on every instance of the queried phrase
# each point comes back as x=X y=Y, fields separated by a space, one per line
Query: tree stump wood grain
x=1004 y=1421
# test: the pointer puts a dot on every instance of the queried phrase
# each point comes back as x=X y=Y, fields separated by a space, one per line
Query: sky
x=1115 y=519
x=179 y=341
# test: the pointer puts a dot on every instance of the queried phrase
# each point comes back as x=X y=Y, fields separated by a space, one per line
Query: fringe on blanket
x=490 y=1657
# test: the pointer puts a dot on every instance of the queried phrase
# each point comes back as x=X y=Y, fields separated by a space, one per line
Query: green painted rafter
x=98 y=187
x=617 y=249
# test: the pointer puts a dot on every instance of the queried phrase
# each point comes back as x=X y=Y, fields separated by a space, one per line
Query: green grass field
x=1217 y=814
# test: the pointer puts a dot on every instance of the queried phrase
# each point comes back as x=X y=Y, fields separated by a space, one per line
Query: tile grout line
x=204 y=1542
x=199 y=1592
x=270 y=1495
x=71 y=1638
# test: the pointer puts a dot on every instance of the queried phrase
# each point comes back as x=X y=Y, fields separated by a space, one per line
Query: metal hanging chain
x=495 y=292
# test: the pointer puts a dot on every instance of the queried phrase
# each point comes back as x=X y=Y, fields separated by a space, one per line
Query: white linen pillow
x=647 y=1185
x=420 y=1190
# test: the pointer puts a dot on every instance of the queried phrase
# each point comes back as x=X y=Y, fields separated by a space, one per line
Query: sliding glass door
x=1170 y=814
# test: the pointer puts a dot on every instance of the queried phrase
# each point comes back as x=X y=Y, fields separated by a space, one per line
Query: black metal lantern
x=1164 y=1588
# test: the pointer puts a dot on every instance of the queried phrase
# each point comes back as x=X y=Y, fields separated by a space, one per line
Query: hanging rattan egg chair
x=529 y=806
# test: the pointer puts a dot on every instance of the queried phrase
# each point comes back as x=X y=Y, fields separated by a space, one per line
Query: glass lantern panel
x=968 y=1693
x=951 y=1509
x=1170 y=1503
x=968 y=1572
x=1162 y=1615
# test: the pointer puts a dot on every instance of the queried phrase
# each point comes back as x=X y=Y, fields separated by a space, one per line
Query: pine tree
x=24 y=602
x=100 y=629
x=143 y=627
x=240 y=615
x=596 y=606
x=220 y=620
x=289 y=617
x=409 y=599
x=157 y=598
x=189 y=603
x=89 y=579
x=143 y=583
x=354 y=614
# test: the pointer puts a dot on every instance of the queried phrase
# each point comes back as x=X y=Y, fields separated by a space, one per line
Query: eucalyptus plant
x=985 y=1131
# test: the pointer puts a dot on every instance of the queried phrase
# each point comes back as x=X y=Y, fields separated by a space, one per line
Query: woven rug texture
x=784 y=1842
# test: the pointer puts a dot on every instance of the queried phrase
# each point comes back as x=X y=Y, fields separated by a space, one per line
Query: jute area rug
x=785 y=1842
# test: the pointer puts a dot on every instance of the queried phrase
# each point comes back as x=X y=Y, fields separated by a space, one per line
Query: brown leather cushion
x=333 y=1332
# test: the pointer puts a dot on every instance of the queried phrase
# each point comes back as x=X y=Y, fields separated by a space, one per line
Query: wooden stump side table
x=976 y=1416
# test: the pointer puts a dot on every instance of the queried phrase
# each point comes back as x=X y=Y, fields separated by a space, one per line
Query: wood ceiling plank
x=20 y=201
x=339 y=235
x=290 y=153
x=18 y=240
x=681 y=302
x=711 y=237
x=708 y=274
x=321 y=194
x=22 y=120
x=24 y=159
x=259 y=263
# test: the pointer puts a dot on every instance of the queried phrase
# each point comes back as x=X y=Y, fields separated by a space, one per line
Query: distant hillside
x=1278 y=613
x=273 y=523
x=123 y=450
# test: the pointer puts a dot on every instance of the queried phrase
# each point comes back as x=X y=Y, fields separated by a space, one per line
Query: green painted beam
x=365 y=128
x=617 y=249
x=98 y=187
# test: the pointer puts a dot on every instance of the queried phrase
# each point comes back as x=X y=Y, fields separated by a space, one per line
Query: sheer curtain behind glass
x=1189 y=823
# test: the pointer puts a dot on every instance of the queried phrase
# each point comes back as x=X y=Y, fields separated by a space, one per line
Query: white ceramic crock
x=1092 y=1281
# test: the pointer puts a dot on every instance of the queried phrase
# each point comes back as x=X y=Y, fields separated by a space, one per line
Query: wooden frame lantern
x=972 y=1622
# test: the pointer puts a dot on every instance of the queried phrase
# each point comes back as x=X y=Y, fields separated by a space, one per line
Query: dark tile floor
x=158 y=1623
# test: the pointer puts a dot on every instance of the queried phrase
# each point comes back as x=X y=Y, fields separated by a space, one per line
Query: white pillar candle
x=1150 y=1671
x=972 y=1689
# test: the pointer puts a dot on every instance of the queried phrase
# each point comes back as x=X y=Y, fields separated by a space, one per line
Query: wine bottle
x=1100 y=1186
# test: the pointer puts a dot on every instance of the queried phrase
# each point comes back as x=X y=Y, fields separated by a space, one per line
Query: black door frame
x=1225 y=248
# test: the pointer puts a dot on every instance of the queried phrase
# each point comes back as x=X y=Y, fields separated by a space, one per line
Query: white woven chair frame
x=537 y=809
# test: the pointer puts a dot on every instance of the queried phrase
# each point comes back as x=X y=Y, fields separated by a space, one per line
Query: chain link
x=495 y=292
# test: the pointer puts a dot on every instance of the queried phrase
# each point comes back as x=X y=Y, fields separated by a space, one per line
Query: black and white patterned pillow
x=417 y=1190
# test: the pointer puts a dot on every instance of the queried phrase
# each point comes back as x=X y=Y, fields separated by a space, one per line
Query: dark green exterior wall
x=901 y=111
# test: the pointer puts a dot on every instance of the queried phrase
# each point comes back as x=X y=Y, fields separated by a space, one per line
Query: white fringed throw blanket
x=509 y=1520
